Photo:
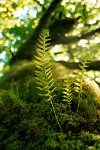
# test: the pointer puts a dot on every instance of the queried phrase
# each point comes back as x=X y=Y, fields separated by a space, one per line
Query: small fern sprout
x=44 y=80
x=80 y=81
x=67 y=92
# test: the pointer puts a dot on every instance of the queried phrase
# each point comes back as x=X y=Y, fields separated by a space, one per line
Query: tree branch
x=76 y=65
x=60 y=38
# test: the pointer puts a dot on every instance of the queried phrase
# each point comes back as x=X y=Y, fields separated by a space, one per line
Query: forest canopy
x=74 y=28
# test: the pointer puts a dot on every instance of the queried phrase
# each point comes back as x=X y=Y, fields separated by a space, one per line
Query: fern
x=72 y=84
x=43 y=73
x=67 y=92
x=80 y=81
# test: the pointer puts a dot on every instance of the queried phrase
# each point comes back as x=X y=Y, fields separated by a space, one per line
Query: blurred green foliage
x=20 y=18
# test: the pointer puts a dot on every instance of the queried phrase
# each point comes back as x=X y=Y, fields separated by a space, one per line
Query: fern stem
x=56 y=116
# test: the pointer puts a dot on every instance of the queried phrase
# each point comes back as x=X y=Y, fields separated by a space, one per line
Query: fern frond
x=43 y=73
x=79 y=84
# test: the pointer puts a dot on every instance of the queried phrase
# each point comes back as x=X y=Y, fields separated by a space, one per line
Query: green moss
x=33 y=126
x=27 y=121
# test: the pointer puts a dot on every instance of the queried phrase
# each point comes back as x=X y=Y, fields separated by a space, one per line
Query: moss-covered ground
x=27 y=121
